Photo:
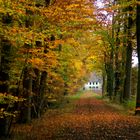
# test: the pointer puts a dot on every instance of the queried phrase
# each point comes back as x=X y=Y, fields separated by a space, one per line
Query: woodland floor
x=86 y=118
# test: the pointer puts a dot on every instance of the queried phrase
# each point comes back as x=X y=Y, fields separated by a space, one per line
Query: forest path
x=86 y=118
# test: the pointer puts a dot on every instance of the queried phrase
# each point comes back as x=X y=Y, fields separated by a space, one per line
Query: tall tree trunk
x=36 y=84
x=117 y=65
x=42 y=91
x=110 y=73
x=42 y=86
x=127 y=82
x=29 y=99
x=110 y=76
x=138 y=50
x=5 y=65
x=5 y=61
x=104 y=83
x=110 y=80
x=27 y=94
x=0 y=51
x=123 y=56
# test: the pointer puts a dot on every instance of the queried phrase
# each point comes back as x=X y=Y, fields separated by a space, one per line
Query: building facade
x=94 y=83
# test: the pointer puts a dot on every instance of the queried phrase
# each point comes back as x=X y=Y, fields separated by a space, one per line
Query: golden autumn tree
x=32 y=34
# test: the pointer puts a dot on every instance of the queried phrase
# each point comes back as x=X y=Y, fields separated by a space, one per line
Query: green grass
x=131 y=104
x=75 y=96
x=98 y=96
x=127 y=107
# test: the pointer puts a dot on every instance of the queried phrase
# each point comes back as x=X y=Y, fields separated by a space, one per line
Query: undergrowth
x=126 y=107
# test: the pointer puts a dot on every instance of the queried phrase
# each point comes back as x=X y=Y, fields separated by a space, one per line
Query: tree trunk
x=117 y=65
x=36 y=84
x=104 y=83
x=109 y=71
x=123 y=56
x=5 y=61
x=5 y=65
x=27 y=94
x=127 y=82
x=42 y=91
x=0 y=51
x=29 y=100
x=110 y=74
x=138 y=50
x=42 y=87
x=111 y=80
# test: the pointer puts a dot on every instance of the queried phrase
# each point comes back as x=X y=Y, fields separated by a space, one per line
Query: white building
x=93 y=85
x=95 y=82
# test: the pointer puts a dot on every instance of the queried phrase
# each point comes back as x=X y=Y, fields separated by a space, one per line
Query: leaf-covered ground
x=87 y=118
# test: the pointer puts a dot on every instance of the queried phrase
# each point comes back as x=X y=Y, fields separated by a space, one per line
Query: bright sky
x=100 y=4
x=135 y=60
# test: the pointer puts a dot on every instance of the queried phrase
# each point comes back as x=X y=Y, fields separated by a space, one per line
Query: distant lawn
x=75 y=96
x=83 y=95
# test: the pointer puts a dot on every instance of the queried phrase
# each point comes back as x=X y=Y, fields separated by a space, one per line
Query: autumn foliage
x=49 y=47
x=41 y=54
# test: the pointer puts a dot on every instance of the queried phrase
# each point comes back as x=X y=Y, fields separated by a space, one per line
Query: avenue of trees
x=119 y=34
x=49 y=47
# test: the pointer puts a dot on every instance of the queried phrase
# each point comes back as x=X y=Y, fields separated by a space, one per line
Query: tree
x=5 y=69
x=29 y=29
x=138 y=51
x=127 y=82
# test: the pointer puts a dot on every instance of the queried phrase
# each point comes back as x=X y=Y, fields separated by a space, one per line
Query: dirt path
x=86 y=119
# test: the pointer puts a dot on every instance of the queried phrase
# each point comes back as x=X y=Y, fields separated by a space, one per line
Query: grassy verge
x=130 y=106
x=127 y=107
x=66 y=104
x=85 y=94
x=75 y=96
